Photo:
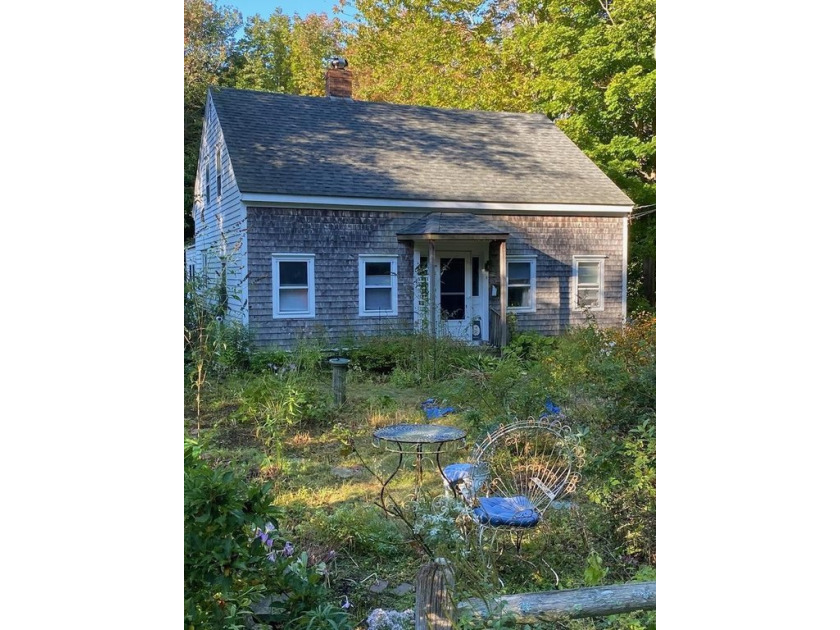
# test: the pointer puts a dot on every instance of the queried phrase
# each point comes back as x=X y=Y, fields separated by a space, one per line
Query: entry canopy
x=451 y=226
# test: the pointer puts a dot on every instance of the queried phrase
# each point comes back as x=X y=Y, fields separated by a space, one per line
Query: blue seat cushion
x=506 y=512
x=456 y=472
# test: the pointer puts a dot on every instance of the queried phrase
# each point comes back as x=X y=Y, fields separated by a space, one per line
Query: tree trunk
x=552 y=606
x=433 y=608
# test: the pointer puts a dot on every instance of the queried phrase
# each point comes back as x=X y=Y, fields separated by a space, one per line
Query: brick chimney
x=339 y=79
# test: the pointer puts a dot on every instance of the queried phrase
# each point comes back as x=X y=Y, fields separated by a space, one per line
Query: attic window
x=219 y=172
x=206 y=183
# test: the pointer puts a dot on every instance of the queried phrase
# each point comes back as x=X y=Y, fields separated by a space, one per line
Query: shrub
x=362 y=529
x=232 y=557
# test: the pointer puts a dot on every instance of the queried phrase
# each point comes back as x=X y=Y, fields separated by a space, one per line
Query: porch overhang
x=451 y=226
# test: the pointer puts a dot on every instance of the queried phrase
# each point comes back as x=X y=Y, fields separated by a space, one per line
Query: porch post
x=503 y=290
x=432 y=286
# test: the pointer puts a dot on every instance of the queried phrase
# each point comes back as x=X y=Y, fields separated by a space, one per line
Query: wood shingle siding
x=554 y=240
x=337 y=238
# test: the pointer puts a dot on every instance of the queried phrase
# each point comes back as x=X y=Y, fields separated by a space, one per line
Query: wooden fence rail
x=435 y=583
x=596 y=601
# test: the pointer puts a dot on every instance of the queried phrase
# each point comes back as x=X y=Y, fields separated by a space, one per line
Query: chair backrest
x=537 y=459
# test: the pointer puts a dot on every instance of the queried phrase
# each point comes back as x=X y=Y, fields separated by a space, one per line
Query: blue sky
x=290 y=7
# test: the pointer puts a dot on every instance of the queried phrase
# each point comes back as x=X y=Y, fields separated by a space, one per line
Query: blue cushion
x=456 y=472
x=506 y=512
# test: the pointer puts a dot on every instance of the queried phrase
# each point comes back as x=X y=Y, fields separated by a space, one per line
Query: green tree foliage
x=285 y=54
x=313 y=39
x=444 y=54
x=261 y=59
x=596 y=74
x=208 y=40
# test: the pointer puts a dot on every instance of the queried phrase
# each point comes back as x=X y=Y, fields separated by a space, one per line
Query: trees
x=208 y=39
x=587 y=64
x=444 y=54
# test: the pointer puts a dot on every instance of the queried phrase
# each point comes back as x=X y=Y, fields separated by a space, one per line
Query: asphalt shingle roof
x=302 y=145
x=449 y=223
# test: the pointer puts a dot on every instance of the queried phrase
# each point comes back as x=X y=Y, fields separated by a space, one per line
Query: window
x=219 y=172
x=475 y=276
x=377 y=285
x=293 y=282
x=206 y=183
x=522 y=283
x=588 y=283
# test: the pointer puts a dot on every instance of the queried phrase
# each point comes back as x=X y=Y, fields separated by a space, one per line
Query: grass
x=298 y=454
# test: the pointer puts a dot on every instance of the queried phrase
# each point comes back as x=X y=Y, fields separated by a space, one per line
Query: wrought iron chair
x=517 y=473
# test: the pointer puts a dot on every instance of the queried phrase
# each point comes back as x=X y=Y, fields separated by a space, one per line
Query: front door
x=454 y=294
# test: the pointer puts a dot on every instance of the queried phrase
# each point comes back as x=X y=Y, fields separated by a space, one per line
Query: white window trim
x=366 y=258
x=532 y=307
x=576 y=260
x=276 y=259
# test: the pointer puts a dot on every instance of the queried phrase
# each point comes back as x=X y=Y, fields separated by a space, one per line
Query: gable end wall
x=220 y=223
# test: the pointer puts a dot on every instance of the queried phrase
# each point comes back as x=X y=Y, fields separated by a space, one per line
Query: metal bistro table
x=405 y=439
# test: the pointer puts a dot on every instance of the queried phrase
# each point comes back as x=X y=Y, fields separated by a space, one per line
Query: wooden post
x=433 y=310
x=339 y=380
x=503 y=291
x=433 y=607
x=553 y=606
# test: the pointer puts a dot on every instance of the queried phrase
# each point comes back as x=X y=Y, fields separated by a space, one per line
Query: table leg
x=388 y=480
x=418 y=473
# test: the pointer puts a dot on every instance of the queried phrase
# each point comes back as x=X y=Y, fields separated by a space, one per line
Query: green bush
x=232 y=554
x=360 y=529
x=417 y=358
x=275 y=402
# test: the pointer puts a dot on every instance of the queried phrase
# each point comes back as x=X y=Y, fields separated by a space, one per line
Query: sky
x=290 y=7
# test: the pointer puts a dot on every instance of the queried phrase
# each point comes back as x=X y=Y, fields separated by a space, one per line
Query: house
x=328 y=216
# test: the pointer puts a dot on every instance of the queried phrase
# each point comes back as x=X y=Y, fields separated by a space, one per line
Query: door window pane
x=452 y=278
x=475 y=276
x=452 y=306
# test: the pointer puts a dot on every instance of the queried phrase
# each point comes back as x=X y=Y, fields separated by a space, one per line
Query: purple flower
x=288 y=549
x=269 y=542
x=272 y=556
x=346 y=603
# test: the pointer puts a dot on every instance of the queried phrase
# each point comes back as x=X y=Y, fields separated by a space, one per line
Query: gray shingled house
x=322 y=216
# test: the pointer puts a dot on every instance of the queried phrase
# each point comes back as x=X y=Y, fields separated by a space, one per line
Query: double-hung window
x=377 y=285
x=293 y=285
x=588 y=283
x=522 y=284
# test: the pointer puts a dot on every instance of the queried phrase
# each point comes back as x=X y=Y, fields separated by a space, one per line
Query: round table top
x=419 y=433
